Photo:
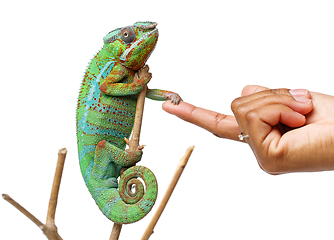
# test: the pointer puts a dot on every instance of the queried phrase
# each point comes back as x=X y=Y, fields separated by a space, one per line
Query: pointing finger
x=221 y=125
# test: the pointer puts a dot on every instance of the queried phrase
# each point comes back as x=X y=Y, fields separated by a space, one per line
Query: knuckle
x=219 y=117
x=235 y=104
x=279 y=91
x=240 y=110
x=252 y=115
x=274 y=163
x=270 y=166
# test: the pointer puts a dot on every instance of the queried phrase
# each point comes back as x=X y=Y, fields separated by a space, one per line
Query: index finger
x=221 y=125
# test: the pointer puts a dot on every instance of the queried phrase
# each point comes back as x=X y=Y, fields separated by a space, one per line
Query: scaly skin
x=105 y=116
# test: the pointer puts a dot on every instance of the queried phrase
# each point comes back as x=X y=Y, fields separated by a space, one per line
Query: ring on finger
x=242 y=136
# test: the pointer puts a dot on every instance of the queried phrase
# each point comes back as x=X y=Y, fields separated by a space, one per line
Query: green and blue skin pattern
x=105 y=116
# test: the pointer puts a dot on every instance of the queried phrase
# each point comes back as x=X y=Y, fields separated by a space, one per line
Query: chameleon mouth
x=142 y=38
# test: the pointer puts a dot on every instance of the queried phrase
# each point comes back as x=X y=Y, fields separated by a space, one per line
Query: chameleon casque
x=105 y=115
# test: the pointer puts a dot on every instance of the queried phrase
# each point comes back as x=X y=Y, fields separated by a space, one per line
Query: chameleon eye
x=128 y=35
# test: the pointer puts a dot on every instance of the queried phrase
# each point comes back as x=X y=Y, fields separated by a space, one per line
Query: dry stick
x=133 y=145
x=134 y=141
x=23 y=210
x=116 y=231
x=55 y=187
x=183 y=162
x=49 y=229
x=50 y=218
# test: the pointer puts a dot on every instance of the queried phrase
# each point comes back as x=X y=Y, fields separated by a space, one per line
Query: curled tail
x=125 y=205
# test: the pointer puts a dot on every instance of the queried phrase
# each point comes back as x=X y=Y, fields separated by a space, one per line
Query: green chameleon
x=105 y=116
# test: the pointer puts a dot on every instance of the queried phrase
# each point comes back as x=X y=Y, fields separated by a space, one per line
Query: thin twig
x=50 y=219
x=183 y=162
x=23 y=210
x=133 y=144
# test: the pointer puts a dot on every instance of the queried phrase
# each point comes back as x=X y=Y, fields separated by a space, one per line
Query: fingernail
x=298 y=92
x=300 y=95
x=300 y=114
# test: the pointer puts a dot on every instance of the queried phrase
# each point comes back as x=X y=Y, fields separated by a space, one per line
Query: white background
x=207 y=52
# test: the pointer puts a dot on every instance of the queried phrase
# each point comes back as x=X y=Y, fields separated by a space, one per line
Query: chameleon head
x=132 y=45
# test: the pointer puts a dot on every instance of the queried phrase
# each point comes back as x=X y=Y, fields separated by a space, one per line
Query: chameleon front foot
x=173 y=97
x=143 y=73
x=163 y=95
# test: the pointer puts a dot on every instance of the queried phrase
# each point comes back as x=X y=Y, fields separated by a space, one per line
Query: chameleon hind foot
x=112 y=182
x=106 y=154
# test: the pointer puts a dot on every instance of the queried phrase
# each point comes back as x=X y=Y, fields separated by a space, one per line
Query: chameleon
x=105 y=115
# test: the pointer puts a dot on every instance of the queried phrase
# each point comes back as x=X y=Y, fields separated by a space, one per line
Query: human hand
x=289 y=131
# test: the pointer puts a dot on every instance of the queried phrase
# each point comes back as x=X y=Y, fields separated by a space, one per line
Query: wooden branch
x=23 y=210
x=134 y=141
x=49 y=229
x=183 y=162
x=50 y=219
x=116 y=231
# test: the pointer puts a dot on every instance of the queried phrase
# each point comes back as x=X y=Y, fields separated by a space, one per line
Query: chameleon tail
x=125 y=206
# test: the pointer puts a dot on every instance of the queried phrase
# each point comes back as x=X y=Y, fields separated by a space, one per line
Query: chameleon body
x=105 y=115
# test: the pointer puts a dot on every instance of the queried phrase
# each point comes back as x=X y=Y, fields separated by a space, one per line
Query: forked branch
x=49 y=229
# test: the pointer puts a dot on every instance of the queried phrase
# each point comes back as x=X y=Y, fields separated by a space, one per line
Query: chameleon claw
x=144 y=70
x=174 y=98
x=143 y=73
